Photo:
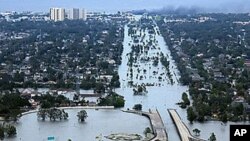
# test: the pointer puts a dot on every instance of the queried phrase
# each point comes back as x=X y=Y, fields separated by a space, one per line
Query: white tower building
x=57 y=14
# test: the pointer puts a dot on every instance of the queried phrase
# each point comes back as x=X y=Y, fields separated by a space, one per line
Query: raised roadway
x=157 y=124
x=183 y=131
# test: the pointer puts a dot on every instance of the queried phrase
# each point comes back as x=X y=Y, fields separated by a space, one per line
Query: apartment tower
x=57 y=14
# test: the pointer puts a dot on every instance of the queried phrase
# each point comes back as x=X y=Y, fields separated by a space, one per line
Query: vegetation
x=115 y=83
x=147 y=131
x=52 y=54
x=7 y=129
x=165 y=63
x=212 y=137
x=140 y=90
x=197 y=132
x=137 y=107
x=191 y=114
x=49 y=101
x=112 y=99
x=82 y=115
x=10 y=106
x=1 y=133
x=185 y=101
x=10 y=130
x=211 y=55
x=52 y=113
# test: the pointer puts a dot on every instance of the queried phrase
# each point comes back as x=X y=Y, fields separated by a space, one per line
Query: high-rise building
x=57 y=14
x=73 y=14
x=83 y=14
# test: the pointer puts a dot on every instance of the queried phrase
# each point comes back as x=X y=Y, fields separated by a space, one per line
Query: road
x=183 y=131
x=157 y=124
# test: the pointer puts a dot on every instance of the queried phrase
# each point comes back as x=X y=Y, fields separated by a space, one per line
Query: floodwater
x=165 y=96
x=98 y=123
x=105 y=122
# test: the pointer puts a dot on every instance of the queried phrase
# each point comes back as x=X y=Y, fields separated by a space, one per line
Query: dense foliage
x=10 y=106
x=211 y=52
x=112 y=99
x=52 y=114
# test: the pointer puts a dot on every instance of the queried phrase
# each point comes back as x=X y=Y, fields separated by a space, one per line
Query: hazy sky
x=115 y=5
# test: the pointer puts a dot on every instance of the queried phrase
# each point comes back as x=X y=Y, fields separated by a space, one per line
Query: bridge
x=183 y=131
x=157 y=125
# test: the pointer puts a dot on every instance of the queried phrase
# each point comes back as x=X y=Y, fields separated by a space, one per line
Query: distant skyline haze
x=125 y=5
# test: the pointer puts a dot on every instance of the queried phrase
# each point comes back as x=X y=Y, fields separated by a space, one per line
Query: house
x=238 y=100
x=29 y=92
x=106 y=78
x=218 y=76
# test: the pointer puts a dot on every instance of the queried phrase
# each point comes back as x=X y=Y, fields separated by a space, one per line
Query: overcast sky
x=123 y=5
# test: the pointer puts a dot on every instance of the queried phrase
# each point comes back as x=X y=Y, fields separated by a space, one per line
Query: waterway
x=162 y=96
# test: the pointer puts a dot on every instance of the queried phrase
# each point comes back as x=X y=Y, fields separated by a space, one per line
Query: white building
x=57 y=14
x=83 y=14
x=74 y=14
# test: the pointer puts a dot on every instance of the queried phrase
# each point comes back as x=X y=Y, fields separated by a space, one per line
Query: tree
x=212 y=137
x=42 y=114
x=112 y=99
x=185 y=99
x=197 y=132
x=137 y=107
x=82 y=115
x=1 y=132
x=99 y=88
x=115 y=81
x=65 y=115
x=10 y=130
x=52 y=114
x=10 y=106
x=190 y=114
x=147 y=130
x=224 y=117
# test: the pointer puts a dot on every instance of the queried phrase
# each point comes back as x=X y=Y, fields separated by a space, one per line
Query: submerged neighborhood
x=60 y=65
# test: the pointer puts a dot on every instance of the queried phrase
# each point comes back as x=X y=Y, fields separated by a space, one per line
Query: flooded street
x=161 y=95
x=164 y=96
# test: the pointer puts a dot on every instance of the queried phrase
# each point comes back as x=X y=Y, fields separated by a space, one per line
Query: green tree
x=10 y=130
x=115 y=81
x=52 y=114
x=137 y=107
x=99 y=88
x=1 y=132
x=197 y=132
x=42 y=113
x=212 y=137
x=191 y=114
x=82 y=115
x=147 y=130
x=112 y=99
x=185 y=99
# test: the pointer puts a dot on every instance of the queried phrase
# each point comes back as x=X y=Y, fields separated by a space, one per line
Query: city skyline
x=122 y=5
